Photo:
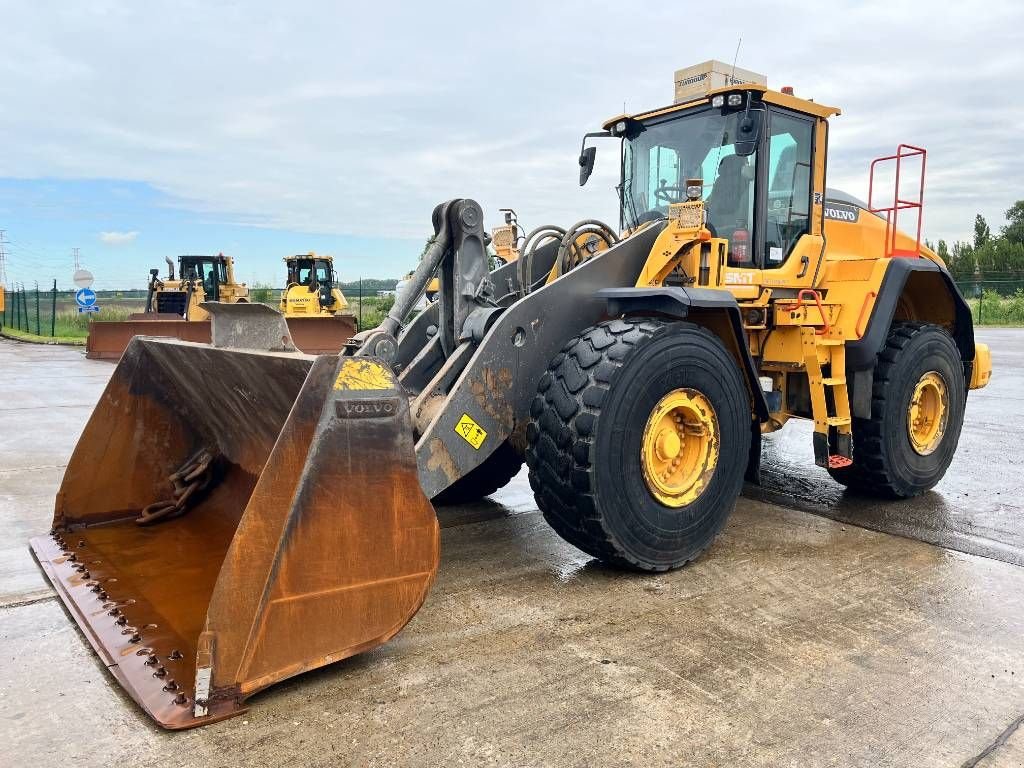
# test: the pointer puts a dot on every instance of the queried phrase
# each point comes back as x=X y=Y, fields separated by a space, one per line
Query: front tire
x=594 y=449
x=917 y=411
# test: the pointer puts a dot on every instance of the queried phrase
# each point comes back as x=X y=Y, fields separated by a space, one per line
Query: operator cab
x=315 y=273
x=310 y=270
x=208 y=271
x=747 y=152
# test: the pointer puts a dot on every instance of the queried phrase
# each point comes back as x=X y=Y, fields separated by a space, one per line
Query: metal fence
x=33 y=310
x=51 y=312
x=996 y=301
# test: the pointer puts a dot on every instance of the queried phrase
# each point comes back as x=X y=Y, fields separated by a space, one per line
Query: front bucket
x=305 y=540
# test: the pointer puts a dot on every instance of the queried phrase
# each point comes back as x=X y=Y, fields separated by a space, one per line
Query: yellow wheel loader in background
x=237 y=513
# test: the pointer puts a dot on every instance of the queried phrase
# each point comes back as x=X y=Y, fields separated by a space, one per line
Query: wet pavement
x=796 y=640
x=976 y=508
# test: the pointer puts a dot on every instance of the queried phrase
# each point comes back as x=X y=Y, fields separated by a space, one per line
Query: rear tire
x=588 y=430
x=885 y=460
x=494 y=473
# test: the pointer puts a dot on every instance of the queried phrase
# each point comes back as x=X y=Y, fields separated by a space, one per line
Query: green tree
x=1014 y=229
x=982 y=232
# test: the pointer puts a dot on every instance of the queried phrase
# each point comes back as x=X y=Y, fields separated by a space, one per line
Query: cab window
x=658 y=161
x=789 y=185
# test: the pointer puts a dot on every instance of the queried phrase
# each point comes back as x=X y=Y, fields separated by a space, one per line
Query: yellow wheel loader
x=237 y=513
x=314 y=305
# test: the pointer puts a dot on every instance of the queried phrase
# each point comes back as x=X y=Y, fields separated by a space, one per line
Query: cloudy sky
x=138 y=130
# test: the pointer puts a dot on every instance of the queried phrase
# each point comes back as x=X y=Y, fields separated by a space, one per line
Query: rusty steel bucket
x=304 y=537
x=314 y=335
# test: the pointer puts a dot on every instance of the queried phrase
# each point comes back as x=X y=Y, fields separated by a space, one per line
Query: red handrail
x=903 y=152
x=800 y=303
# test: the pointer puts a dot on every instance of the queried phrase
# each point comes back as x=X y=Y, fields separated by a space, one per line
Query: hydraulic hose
x=571 y=255
x=531 y=243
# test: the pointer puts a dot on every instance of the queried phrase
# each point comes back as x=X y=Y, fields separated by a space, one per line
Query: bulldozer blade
x=108 y=340
x=309 y=540
x=321 y=334
x=314 y=335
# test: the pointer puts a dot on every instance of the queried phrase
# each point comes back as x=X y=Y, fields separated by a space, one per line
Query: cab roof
x=771 y=97
x=318 y=256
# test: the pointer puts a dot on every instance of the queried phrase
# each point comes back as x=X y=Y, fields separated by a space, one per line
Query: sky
x=135 y=131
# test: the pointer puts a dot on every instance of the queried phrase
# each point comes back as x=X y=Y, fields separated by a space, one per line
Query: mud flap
x=314 y=541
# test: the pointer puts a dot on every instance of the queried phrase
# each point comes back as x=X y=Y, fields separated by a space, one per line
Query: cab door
x=783 y=244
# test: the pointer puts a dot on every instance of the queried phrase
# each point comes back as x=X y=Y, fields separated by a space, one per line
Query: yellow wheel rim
x=679 y=450
x=928 y=413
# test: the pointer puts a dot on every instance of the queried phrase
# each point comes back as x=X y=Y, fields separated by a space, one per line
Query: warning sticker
x=359 y=374
x=470 y=431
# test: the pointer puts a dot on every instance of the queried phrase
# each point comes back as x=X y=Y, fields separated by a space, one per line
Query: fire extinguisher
x=740 y=246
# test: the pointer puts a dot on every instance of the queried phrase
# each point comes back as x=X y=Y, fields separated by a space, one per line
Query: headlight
x=735 y=99
x=717 y=101
x=694 y=191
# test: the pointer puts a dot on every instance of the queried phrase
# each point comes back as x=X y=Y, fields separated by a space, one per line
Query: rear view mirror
x=749 y=132
x=587 y=157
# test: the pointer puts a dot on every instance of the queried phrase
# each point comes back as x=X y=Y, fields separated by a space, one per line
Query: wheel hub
x=679 y=450
x=928 y=413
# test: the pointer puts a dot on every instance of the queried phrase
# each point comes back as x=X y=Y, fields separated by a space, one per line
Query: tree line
x=988 y=256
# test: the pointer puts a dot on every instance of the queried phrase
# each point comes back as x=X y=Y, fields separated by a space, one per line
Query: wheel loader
x=236 y=513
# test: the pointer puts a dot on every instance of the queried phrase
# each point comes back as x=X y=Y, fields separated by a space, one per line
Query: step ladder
x=833 y=435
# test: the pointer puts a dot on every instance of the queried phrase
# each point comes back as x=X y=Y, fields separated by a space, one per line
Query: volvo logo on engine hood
x=841 y=211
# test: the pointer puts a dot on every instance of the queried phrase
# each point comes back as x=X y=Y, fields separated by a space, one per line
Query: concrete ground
x=801 y=638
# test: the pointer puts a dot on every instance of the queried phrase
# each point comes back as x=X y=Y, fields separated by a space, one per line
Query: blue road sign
x=90 y=308
x=85 y=297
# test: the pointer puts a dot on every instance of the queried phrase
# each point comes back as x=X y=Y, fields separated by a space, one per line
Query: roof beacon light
x=788 y=90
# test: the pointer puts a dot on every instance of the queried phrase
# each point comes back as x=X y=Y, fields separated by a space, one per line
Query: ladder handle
x=863 y=310
x=800 y=303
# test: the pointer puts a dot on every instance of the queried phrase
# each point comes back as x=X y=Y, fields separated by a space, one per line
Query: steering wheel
x=663 y=193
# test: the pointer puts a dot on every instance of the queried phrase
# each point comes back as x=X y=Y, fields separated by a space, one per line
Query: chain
x=193 y=476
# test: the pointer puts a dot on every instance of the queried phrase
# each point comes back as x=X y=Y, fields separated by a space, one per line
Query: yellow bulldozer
x=200 y=279
x=175 y=305
x=311 y=287
x=237 y=513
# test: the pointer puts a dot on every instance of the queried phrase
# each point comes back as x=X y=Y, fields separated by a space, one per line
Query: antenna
x=735 y=58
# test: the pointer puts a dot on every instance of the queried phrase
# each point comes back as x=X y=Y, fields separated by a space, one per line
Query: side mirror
x=749 y=133
x=587 y=157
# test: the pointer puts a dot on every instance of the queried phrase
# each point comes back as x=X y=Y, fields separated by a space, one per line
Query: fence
x=995 y=301
x=50 y=312
x=26 y=309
